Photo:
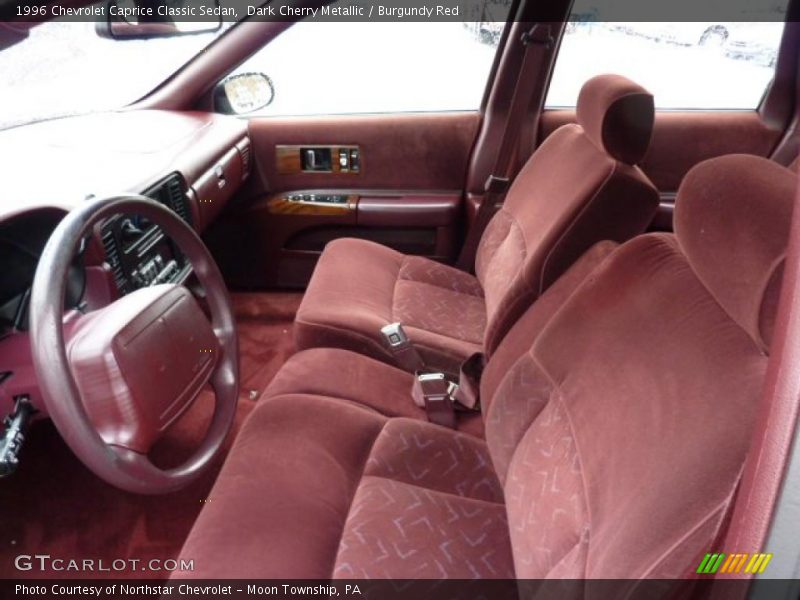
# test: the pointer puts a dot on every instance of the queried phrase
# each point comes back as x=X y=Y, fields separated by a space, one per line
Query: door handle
x=311 y=160
x=316 y=159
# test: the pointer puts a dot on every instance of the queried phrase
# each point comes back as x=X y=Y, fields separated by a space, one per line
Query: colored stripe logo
x=733 y=563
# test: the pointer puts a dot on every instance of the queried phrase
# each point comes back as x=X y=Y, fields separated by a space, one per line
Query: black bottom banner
x=607 y=589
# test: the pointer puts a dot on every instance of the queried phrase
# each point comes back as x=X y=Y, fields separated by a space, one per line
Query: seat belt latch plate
x=401 y=348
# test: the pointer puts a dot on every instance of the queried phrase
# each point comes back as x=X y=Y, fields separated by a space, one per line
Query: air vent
x=113 y=258
x=174 y=196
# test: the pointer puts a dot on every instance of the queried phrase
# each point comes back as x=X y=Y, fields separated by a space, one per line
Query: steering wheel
x=115 y=380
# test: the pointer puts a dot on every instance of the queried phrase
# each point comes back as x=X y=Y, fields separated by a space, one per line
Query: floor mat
x=54 y=505
x=265 y=336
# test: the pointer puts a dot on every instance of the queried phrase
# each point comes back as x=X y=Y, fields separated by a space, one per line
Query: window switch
x=355 y=160
x=344 y=160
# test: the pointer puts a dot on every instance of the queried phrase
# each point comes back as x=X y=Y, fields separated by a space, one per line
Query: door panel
x=683 y=139
x=406 y=192
x=405 y=152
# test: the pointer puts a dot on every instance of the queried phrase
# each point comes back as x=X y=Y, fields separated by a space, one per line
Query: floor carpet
x=54 y=505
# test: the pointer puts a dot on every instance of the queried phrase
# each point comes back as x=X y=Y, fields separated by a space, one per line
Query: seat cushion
x=371 y=497
x=359 y=287
x=350 y=377
x=353 y=377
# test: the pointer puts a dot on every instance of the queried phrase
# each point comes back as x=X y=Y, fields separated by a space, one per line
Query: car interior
x=523 y=340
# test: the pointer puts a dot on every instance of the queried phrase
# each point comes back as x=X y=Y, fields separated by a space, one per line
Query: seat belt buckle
x=401 y=348
x=434 y=393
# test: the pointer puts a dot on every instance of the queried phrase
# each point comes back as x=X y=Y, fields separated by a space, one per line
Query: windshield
x=64 y=69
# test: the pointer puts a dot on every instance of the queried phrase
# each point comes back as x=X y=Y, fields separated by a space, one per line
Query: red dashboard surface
x=61 y=162
x=64 y=162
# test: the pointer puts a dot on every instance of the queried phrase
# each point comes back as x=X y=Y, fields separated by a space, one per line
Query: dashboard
x=192 y=162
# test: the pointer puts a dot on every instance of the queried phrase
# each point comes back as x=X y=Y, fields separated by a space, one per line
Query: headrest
x=617 y=115
x=732 y=220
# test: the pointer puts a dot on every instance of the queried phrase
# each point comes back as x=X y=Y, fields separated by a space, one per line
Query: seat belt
x=443 y=399
x=402 y=350
x=467 y=394
x=496 y=186
x=440 y=397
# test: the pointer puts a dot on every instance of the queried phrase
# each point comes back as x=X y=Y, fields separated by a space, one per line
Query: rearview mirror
x=244 y=93
x=144 y=19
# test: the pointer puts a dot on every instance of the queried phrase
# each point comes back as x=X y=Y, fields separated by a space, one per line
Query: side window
x=378 y=67
x=692 y=65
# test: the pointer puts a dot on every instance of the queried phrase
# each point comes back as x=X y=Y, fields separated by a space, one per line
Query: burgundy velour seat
x=616 y=428
x=580 y=187
x=364 y=380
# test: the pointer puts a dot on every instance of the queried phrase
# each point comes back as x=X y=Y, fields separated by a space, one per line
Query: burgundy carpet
x=54 y=505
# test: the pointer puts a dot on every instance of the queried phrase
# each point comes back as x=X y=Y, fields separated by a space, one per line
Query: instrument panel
x=22 y=239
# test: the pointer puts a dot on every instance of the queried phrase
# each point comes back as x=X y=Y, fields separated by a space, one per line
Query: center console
x=138 y=252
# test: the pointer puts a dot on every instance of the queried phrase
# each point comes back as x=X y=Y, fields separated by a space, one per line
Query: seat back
x=579 y=187
x=619 y=428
